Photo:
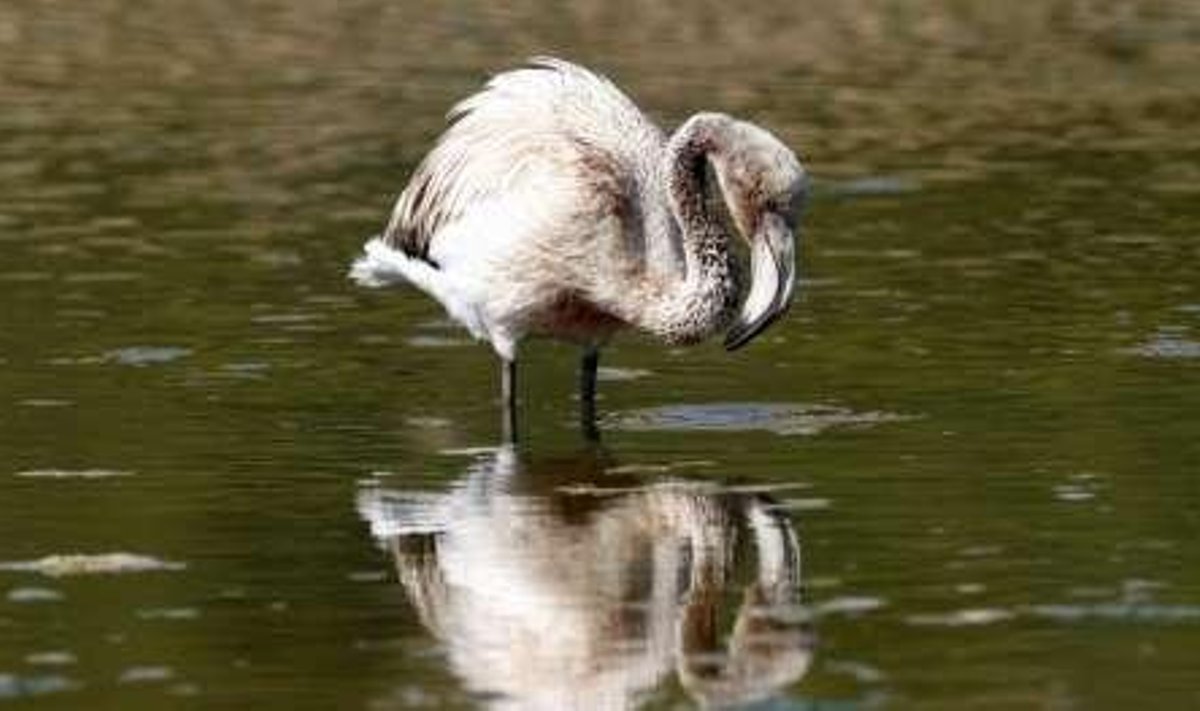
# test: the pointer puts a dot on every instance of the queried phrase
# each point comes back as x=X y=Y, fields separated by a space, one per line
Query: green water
x=960 y=473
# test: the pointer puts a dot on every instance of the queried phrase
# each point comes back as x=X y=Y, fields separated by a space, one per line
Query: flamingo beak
x=773 y=278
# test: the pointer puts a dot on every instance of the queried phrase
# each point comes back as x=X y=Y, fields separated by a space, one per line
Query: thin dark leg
x=508 y=400
x=587 y=393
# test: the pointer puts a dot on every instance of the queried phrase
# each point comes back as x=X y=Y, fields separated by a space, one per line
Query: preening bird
x=553 y=206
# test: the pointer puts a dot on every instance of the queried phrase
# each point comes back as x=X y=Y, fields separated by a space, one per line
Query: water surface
x=960 y=474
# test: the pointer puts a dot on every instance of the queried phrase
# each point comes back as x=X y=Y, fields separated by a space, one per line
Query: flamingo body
x=552 y=206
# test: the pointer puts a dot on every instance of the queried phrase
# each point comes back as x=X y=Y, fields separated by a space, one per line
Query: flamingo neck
x=705 y=300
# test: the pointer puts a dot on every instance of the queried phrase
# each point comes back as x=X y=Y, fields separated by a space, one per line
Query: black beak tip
x=743 y=333
x=737 y=338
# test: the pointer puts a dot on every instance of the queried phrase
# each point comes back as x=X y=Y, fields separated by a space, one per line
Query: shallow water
x=960 y=473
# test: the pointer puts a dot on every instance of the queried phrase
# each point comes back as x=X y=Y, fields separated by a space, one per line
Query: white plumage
x=553 y=206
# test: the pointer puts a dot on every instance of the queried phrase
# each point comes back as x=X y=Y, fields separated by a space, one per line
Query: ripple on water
x=25 y=277
x=429 y=423
x=439 y=324
x=54 y=658
x=146 y=675
x=660 y=468
x=12 y=686
x=45 y=402
x=1078 y=488
x=105 y=563
x=72 y=474
x=169 y=613
x=780 y=418
x=605 y=374
x=287 y=319
x=140 y=356
x=969 y=617
x=1126 y=611
x=33 y=595
x=246 y=370
x=424 y=341
x=871 y=186
x=859 y=671
x=852 y=605
x=102 y=277
x=1168 y=342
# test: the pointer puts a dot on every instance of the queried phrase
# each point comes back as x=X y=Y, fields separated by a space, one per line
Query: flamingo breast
x=570 y=316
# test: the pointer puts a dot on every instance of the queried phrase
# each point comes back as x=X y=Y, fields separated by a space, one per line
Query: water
x=960 y=474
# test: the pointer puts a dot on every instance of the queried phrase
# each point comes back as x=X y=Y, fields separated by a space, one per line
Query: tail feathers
x=380 y=265
x=383 y=265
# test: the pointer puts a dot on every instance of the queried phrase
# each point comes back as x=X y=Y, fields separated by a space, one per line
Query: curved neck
x=705 y=300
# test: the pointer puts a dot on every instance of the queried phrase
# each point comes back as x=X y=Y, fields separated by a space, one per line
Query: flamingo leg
x=587 y=393
x=508 y=400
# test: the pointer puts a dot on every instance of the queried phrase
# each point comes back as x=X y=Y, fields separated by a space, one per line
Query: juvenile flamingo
x=553 y=206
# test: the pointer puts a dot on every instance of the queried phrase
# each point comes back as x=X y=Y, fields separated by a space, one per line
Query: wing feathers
x=521 y=121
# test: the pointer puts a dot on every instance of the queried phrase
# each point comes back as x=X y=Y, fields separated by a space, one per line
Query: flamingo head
x=765 y=189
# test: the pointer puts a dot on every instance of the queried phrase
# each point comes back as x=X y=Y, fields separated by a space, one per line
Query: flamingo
x=552 y=206
x=557 y=583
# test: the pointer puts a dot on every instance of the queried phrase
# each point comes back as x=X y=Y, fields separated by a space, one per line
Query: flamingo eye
x=780 y=206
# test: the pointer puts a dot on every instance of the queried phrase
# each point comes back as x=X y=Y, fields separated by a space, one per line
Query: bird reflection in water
x=563 y=584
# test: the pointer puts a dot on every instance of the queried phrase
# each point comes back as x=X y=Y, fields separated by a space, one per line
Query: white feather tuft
x=378 y=266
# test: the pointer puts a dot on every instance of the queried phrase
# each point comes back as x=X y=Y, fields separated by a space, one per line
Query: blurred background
x=981 y=416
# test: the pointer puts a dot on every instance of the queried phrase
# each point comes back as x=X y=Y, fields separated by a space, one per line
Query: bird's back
x=551 y=123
